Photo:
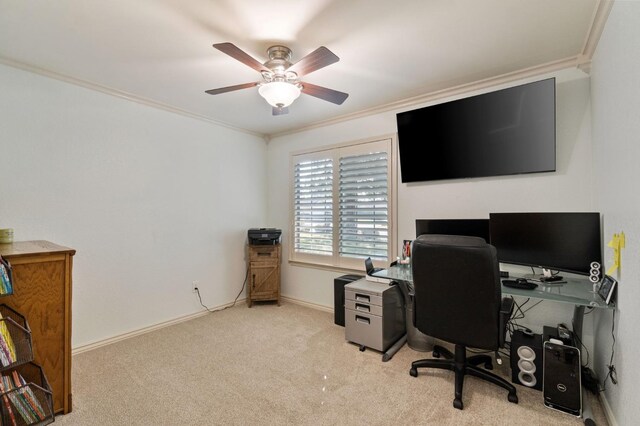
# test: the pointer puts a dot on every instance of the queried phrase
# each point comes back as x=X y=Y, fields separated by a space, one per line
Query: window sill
x=330 y=268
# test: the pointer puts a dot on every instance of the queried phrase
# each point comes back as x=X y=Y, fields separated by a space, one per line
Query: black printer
x=264 y=236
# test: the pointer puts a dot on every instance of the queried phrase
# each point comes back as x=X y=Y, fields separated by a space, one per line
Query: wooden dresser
x=264 y=273
x=42 y=293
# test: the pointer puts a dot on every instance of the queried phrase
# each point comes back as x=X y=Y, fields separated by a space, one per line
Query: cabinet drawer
x=363 y=307
x=362 y=297
x=363 y=329
x=263 y=253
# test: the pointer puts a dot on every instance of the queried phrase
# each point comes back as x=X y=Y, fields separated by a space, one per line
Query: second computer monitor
x=469 y=227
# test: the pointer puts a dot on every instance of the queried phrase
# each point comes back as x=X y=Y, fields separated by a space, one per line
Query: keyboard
x=523 y=284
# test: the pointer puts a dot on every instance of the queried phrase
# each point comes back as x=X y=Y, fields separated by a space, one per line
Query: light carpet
x=279 y=365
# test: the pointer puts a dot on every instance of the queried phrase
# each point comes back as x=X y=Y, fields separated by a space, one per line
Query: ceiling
x=160 y=52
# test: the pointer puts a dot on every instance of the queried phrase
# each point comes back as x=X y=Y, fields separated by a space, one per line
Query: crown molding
x=581 y=62
x=573 y=62
x=597 y=27
x=122 y=95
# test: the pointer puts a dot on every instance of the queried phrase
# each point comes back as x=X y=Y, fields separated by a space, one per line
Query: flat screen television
x=507 y=132
x=554 y=241
x=470 y=227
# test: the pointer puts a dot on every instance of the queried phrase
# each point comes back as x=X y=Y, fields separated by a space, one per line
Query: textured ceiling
x=159 y=51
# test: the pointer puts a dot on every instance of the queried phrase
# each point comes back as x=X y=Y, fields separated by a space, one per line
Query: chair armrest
x=506 y=309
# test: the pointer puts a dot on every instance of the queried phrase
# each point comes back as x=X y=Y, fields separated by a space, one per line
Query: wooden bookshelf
x=42 y=293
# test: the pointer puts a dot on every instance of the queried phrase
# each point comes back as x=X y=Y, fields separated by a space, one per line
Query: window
x=341 y=205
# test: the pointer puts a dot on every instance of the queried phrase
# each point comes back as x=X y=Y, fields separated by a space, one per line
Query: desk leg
x=587 y=414
x=578 y=315
x=394 y=348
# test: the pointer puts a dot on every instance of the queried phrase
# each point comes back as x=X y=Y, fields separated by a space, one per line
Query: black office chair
x=458 y=299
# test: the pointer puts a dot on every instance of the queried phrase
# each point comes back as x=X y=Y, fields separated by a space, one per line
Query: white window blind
x=364 y=206
x=342 y=203
x=313 y=207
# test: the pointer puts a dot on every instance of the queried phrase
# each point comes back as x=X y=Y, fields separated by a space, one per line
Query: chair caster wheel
x=457 y=403
x=362 y=348
x=435 y=354
x=513 y=398
x=413 y=372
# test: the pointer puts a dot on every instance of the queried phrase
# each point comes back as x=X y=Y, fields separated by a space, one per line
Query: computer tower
x=562 y=388
x=338 y=296
x=526 y=359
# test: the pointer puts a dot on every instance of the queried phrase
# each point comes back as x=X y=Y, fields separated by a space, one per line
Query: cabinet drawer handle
x=363 y=297
x=361 y=307
x=363 y=319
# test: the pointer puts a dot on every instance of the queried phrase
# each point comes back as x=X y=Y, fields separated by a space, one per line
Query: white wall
x=146 y=197
x=568 y=189
x=616 y=136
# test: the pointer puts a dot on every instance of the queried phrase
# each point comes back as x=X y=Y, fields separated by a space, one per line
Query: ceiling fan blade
x=280 y=111
x=319 y=58
x=230 y=88
x=236 y=53
x=325 y=94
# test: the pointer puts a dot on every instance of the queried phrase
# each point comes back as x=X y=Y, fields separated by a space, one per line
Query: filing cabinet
x=374 y=314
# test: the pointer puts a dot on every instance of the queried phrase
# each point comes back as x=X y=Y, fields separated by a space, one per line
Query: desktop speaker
x=338 y=296
x=562 y=389
x=594 y=274
x=526 y=359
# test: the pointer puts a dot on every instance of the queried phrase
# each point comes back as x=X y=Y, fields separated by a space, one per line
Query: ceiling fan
x=281 y=84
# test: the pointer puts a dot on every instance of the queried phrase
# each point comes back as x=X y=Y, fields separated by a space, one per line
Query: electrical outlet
x=194 y=285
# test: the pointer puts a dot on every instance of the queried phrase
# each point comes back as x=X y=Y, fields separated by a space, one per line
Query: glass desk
x=574 y=291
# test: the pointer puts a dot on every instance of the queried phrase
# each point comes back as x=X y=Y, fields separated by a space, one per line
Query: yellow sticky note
x=617 y=242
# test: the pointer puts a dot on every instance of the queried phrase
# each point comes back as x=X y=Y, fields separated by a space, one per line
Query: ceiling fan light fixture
x=279 y=94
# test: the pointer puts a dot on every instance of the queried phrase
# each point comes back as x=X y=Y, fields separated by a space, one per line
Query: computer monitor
x=553 y=241
x=469 y=227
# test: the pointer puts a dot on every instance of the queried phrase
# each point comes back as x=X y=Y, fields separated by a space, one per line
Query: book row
x=19 y=398
x=25 y=396
x=6 y=282
x=15 y=338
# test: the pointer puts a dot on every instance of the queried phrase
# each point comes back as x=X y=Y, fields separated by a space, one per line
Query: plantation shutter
x=364 y=206
x=342 y=205
x=313 y=207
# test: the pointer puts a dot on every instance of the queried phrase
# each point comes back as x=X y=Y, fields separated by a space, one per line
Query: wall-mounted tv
x=506 y=132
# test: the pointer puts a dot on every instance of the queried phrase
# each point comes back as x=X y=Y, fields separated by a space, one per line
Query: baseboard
x=307 y=304
x=110 y=340
x=608 y=412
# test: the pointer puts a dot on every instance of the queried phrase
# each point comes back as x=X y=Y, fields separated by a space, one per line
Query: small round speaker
x=527 y=379
x=526 y=366
x=526 y=353
x=594 y=274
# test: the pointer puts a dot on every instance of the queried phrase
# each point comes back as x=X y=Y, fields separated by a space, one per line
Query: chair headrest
x=451 y=240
